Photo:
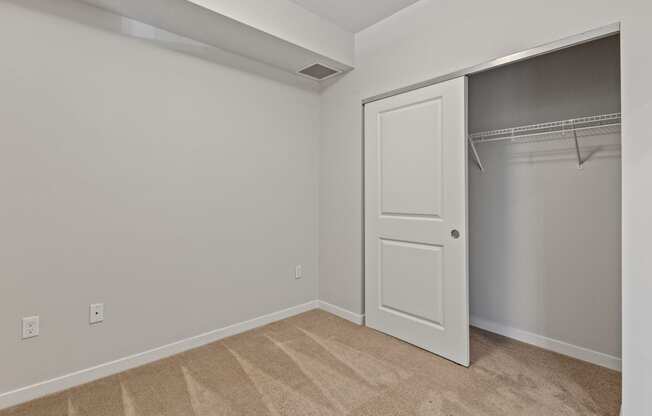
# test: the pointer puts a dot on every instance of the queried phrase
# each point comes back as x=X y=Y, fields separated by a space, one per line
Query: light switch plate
x=31 y=327
x=298 y=272
x=96 y=313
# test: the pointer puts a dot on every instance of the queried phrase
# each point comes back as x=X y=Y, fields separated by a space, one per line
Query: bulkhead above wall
x=282 y=36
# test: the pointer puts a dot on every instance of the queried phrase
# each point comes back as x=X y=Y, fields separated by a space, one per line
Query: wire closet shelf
x=571 y=129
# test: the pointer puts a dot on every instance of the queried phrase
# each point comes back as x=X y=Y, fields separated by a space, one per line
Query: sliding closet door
x=416 y=280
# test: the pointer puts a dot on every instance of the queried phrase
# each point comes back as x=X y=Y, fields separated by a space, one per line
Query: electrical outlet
x=298 y=272
x=96 y=313
x=30 y=327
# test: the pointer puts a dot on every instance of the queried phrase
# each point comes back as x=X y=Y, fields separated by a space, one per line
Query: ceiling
x=354 y=15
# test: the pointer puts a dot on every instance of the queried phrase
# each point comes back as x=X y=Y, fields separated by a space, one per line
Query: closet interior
x=545 y=200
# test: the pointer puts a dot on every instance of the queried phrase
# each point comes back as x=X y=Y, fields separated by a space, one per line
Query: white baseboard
x=357 y=319
x=557 y=346
x=77 y=378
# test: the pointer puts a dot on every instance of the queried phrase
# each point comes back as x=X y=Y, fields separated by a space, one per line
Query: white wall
x=178 y=192
x=435 y=37
x=545 y=239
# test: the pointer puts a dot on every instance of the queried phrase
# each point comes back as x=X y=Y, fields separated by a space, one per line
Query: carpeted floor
x=318 y=364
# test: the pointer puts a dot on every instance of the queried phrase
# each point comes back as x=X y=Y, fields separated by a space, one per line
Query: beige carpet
x=318 y=364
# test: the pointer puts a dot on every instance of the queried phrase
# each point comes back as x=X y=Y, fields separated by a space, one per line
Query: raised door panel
x=411 y=279
x=410 y=159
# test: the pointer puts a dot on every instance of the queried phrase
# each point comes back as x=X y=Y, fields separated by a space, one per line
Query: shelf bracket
x=580 y=162
x=476 y=157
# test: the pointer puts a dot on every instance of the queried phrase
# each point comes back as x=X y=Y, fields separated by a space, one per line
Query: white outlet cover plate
x=298 y=272
x=31 y=327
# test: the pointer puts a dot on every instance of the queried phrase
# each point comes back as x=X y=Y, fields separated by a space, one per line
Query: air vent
x=318 y=72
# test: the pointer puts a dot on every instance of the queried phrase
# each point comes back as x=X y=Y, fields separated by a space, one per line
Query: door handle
x=455 y=234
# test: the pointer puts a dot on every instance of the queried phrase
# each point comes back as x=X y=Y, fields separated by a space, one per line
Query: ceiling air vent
x=318 y=72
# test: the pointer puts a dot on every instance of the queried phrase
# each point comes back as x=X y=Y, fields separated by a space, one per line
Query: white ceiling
x=354 y=15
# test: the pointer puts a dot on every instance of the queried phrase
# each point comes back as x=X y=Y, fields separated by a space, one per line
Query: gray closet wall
x=545 y=236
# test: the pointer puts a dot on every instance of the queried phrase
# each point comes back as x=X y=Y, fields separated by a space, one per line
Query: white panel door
x=416 y=278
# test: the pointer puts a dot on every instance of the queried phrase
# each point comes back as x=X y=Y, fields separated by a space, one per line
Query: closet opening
x=544 y=192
